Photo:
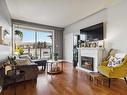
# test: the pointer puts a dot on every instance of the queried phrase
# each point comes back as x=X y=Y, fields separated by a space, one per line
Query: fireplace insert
x=87 y=63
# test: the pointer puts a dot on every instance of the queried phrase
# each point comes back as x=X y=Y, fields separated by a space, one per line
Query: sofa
x=39 y=62
x=30 y=72
x=30 y=68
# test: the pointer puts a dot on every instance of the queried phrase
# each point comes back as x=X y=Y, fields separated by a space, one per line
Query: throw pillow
x=25 y=57
x=22 y=61
x=114 y=61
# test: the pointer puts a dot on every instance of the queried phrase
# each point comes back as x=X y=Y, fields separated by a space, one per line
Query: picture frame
x=4 y=37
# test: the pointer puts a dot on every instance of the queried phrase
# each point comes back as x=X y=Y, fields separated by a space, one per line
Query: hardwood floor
x=71 y=82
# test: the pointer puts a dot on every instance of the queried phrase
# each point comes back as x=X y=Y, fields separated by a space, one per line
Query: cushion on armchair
x=116 y=60
x=118 y=71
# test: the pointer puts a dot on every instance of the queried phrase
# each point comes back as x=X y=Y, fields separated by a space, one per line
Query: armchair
x=114 y=72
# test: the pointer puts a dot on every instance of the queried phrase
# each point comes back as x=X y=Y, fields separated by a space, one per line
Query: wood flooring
x=70 y=82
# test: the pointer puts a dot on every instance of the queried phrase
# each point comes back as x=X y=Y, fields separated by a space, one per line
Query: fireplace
x=87 y=63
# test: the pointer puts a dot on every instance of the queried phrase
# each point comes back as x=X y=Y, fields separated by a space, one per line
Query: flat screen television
x=92 y=33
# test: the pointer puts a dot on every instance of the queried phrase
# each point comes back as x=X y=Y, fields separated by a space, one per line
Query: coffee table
x=41 y=62
x=54 y=67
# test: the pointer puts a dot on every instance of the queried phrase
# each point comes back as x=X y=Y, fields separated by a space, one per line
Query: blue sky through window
x=29 y=36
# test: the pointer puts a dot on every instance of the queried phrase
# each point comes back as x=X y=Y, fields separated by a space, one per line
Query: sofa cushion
x=26 y=56
x=22 y=61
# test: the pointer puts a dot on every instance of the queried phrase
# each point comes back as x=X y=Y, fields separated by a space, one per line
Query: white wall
x=117 y=27
x=5 y=22
x=75 y=29
x=68 y=46
x=4 y=52
x=115 y=18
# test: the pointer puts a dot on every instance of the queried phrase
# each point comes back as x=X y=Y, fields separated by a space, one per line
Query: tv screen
x=92 y=33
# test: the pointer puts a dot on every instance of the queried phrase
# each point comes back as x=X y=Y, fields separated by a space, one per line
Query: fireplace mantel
x=96 y=53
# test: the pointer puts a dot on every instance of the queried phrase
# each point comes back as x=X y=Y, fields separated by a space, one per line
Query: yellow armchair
x=114 y=72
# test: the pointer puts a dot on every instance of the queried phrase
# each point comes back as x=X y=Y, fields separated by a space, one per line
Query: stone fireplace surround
x=95 y=53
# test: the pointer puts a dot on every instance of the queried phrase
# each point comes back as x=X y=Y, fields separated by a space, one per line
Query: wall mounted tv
x=92 y=33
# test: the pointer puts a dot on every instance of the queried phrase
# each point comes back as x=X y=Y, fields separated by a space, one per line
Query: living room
x=65 y=24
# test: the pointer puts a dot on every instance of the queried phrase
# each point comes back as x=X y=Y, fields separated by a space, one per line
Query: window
x=38 y=44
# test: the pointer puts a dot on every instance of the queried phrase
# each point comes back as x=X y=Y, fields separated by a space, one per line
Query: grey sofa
x=30 y=71
x=39 y=62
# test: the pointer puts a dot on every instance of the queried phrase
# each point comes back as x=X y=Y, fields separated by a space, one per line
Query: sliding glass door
x=44 y=44
x=38 y=44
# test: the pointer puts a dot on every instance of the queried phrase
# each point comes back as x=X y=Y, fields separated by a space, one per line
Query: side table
x=14 y=75
x=54 y=67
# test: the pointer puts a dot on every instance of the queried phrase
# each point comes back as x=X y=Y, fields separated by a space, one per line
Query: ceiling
x=60 y=13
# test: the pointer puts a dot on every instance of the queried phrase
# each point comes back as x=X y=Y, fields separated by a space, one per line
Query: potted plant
x=19 y=50
x=56 y=56
x=12 y=61
x=19 y=33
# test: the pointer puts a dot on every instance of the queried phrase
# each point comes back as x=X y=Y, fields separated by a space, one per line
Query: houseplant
x=12 y=61
x=19 y=33
x=56 y=56
x=19 y=50
x=11 y=64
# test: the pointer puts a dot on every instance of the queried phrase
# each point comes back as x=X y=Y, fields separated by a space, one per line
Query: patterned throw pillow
x=114 y=61
x=26 y=57
x=22 y=62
